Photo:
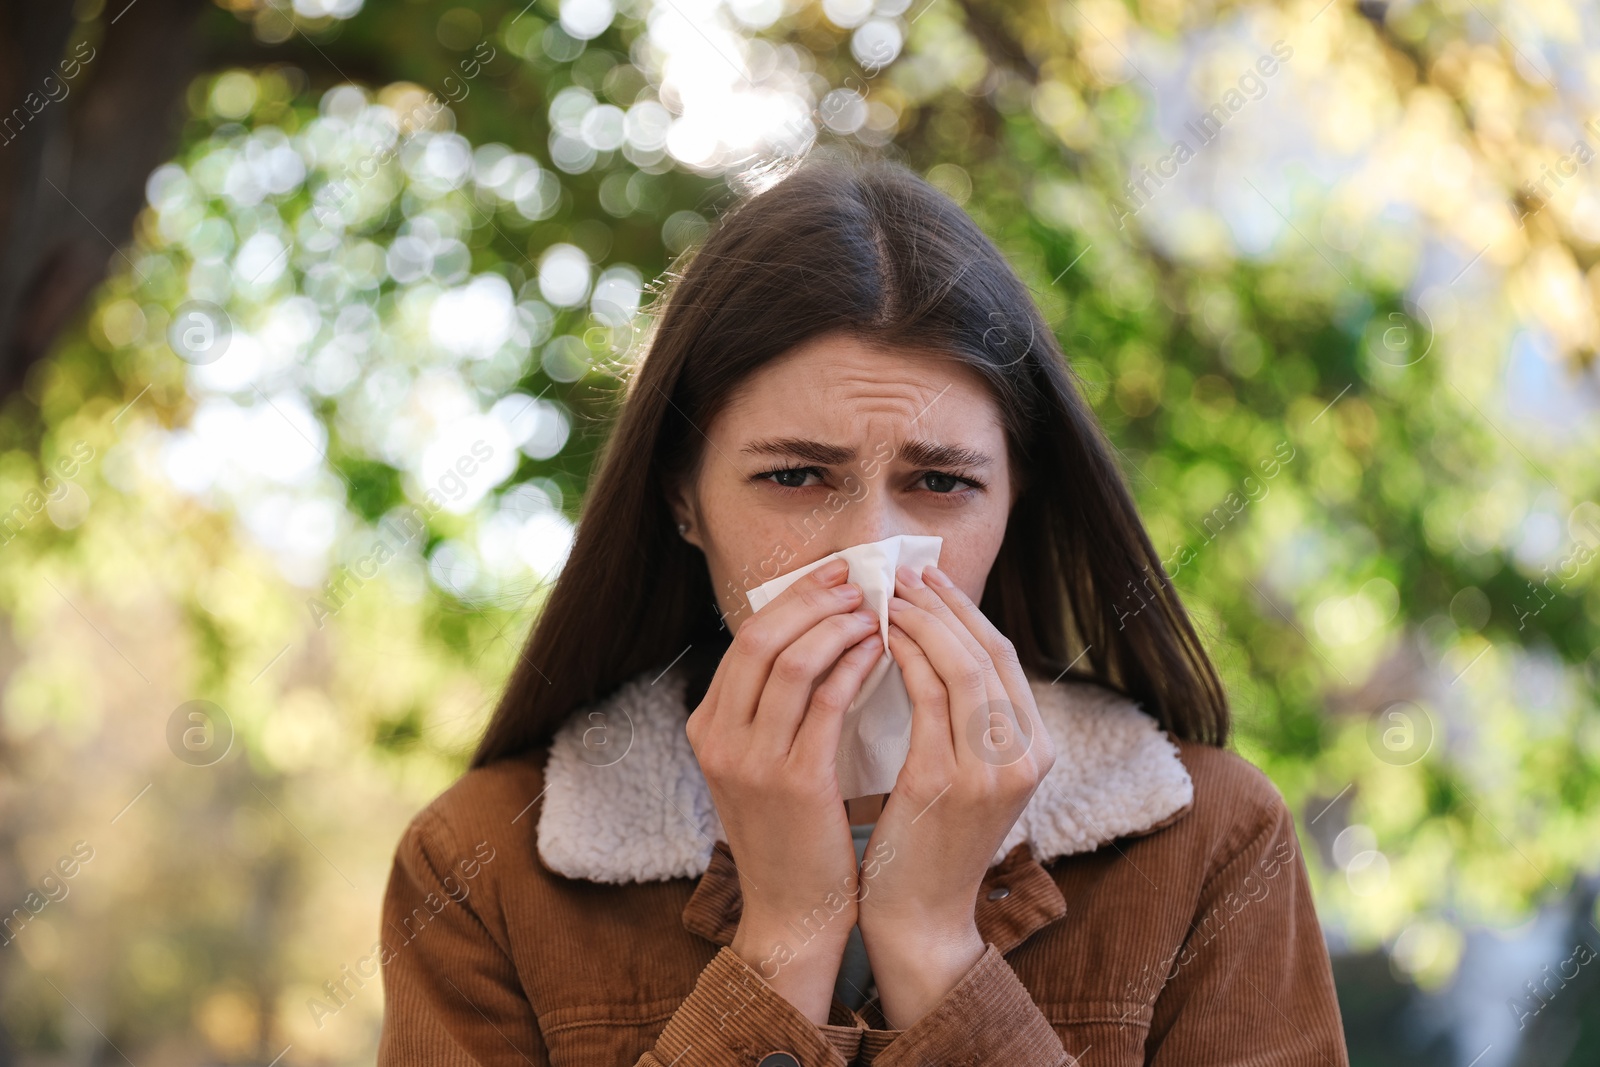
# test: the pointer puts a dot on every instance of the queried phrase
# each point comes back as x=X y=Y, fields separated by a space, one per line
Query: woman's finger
x=991 y=701
x=1024 y=712
x=762 y=636
x=930 y=719
x=796 y=673
x=964 y=678
x=910 y=586
x=818 y=736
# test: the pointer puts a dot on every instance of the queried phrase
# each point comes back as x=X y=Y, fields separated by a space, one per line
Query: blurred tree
x=1326 y=274
x=91 y=107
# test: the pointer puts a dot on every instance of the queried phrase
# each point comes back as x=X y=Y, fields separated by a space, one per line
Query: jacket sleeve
x=733 y=1017
x=452 y=996
x=987 y=1018
x=451 y=992
x=1251 y=983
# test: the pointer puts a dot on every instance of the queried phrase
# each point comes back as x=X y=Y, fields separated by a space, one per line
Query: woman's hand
x=978 y=752
x=767 y=736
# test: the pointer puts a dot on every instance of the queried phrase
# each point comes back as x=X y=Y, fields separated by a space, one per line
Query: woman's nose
x=866 y=521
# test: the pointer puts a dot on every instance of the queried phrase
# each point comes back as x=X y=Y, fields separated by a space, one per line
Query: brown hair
x=865 y=246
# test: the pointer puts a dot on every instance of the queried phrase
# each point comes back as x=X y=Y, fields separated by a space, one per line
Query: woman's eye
x=793 y=478
x=936 y=482
x=946 y=483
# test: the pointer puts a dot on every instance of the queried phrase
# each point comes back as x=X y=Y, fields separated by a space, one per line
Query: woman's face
x=836 y=443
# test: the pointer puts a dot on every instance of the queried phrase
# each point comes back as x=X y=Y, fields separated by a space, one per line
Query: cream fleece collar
x=633 y=805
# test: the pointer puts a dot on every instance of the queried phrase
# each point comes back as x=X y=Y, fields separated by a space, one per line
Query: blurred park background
x=282 y=281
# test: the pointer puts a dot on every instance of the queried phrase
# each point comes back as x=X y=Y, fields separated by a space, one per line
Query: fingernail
x=908 y=577
x=836 y=569
x=935 y=576
x=897 y=604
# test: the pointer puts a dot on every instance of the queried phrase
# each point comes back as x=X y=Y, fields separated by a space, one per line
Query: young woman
x=651 y=862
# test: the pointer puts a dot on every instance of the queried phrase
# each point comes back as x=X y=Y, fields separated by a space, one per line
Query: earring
x=683 y=528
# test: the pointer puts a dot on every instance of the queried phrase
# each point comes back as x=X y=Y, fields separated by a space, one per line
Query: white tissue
x=876 y=736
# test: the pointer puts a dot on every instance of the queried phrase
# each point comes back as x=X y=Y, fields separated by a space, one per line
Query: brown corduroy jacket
x=575 y=906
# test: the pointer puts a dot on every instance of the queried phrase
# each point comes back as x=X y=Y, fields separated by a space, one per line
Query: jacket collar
x=625 y=801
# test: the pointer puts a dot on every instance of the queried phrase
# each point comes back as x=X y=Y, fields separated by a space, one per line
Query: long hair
x=864 y=246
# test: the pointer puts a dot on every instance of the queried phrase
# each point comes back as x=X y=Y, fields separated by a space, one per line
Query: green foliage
x=1318 y=425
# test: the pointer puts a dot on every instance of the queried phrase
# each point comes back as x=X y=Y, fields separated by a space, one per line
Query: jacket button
x=778 y=1059
x=999 y=893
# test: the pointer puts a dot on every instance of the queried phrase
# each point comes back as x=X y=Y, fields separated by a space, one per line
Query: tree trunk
x=75 y=153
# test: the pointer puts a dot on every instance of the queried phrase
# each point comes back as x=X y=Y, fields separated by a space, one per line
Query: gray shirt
x=854 y=984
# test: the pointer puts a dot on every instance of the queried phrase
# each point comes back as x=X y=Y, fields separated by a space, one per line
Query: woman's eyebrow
x=800 y=448
x=918 y=453
x=933 y=454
